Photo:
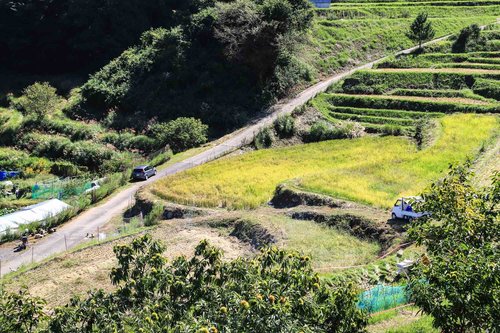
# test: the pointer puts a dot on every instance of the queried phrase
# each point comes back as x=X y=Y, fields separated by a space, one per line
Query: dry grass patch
x=76 y=273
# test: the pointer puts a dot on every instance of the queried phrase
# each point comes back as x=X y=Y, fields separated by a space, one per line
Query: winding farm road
x=73 y=232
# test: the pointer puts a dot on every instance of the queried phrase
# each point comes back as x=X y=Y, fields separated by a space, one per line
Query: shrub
x=20 y=312
x=285 y=126
x=180 y=134
x=349 y=129
x=424 y=132
x=288 y=73
x=322 y=131
x=154 y=215
x=487 y=88
x=161 y=158
x=64 y=169
x=468 y=35
x=130 y=141
x=39 y=99
x=109 y=86
x=264 y=138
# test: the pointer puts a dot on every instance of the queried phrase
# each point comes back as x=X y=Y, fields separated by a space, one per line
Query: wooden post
x=32 y=253
x=65 y=243
x=97 y=234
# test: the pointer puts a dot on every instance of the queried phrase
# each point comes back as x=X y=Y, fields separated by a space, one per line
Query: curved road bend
x=90 y=220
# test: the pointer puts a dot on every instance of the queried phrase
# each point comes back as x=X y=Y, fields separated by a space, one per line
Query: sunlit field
x=372 y=170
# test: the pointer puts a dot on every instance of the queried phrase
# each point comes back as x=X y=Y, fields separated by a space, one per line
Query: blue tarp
x=8 y=174
x=322 y=3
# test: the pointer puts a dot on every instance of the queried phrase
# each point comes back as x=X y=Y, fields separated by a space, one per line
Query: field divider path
x=74 y=232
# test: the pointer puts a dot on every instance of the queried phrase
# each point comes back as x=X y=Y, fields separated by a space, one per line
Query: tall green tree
x=39 y=99
x=458 y=280
x=421 y=30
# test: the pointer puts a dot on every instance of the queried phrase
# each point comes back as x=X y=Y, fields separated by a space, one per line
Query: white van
x=403 y=209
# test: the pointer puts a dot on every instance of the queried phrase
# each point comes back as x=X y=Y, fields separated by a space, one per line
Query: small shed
x=30 y=214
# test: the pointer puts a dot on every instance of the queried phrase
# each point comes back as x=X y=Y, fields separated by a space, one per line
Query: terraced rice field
x=350 y=32
x=390 y=98
x=372 y=170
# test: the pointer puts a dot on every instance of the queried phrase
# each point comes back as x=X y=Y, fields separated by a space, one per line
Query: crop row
x=470 y=65
x=371 y=119
x=464 y=93
x=487 y=88
x=379 y=82
x=73 y=129
x=395 y=12
x=402 y=114
x=381 y=102
x=406 y=3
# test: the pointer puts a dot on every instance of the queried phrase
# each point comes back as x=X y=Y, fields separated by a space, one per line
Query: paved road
x=88 y=222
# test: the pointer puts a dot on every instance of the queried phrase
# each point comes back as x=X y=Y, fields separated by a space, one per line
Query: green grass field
x=332 y=248
x=349 y=33
x=372 y=170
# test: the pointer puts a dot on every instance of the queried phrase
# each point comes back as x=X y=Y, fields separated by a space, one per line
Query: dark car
x=143 y=172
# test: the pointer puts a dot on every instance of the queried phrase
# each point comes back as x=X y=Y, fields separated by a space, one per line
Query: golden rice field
x=371 y=170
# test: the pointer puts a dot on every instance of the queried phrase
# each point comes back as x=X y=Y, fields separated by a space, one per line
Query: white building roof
x=33 y=213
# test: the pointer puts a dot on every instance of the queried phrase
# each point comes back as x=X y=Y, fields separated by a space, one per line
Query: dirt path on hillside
x=73 y=232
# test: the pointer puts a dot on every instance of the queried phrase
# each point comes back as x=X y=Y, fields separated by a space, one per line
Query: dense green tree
x=276 y=291
x=468 y=36
x=180 y=134
x=421 y=30
x=226 y=61
x=458 y=280
x=112 y=85
x=39 y=99
x=253 y=32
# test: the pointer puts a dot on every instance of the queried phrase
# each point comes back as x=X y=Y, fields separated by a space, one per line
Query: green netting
x=383 y=297
x=59 y=189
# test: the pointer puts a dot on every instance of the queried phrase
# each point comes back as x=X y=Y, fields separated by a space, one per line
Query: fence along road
x=73 y=232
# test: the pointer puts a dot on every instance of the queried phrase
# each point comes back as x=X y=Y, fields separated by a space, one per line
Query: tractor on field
x=403 y=209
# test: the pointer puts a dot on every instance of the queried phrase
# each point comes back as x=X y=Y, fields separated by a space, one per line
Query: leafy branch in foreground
x=277 y=291
x=458 y=281
x=19 y=312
